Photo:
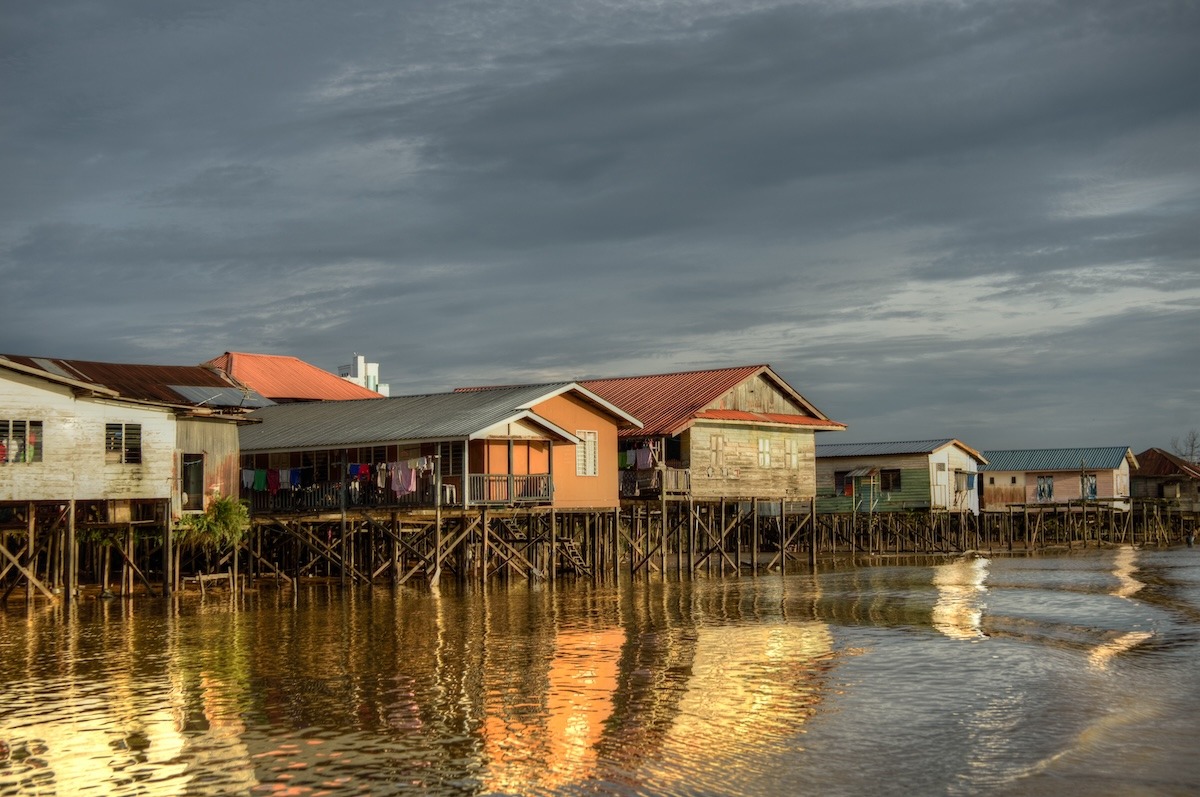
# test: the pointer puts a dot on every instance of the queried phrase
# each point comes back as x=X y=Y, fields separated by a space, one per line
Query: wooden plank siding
x=217 y=440
x=726 y=461
x=915 y=483
x=73 y=445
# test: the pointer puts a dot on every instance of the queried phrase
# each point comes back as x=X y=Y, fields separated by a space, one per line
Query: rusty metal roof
x=666 y=404
x=769 y=417
x=284 y=378
x=1159 y=463
x=192 y=385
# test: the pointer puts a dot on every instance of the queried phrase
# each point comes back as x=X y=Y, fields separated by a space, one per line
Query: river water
x=1072 y=674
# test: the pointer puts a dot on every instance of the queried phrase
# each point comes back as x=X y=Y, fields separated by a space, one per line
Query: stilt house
x=474 y=448
x=1058 y=475
x=726 y=433
x=1168 y=477
x=898 y=476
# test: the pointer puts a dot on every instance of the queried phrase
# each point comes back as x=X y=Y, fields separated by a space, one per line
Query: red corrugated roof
x=131 y=380
x=769 y=417
x=284 y=378
x=667 y=403
x=1157 y=462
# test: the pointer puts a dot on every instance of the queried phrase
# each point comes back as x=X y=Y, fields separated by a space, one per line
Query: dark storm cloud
x=926 y=214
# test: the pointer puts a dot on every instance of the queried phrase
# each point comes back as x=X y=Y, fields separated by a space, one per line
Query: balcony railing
x=486 y=488
x=653 y=481
x=493 y=488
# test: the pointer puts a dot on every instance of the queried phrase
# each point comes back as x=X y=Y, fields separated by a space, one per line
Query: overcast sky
x=934 y=219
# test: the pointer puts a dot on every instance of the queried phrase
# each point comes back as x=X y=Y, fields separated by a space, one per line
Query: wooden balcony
x=653 y=481
x=491 y=489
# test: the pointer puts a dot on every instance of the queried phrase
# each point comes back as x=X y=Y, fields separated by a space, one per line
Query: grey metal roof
x=881 y=449
x=437 y=416
x=1033 y=459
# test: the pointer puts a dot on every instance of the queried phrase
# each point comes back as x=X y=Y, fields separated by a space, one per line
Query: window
x=842 y=485
x=963 y=481
x=20 y=442
x=450 y=458
x=793 y=454
x=1087 y=485
x=123 y=443
x=991 y=480
x=889 y=480
x=1045 y=488
x=764 y=452
x=586 y=453
x=1013 y=480
x=192 y=482
x=716 y=450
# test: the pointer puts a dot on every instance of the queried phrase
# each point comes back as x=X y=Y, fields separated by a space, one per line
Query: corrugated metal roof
x=437 y=416
x=1047 y=459
x=549 y=389
x=830 y=450
x=769 y=417
x=1160 y=463
x=134 y=381
x=667 y=403
x=284 y=378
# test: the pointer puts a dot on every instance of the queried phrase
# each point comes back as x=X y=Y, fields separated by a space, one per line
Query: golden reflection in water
x=958 y=612
x=748 y=684
x=1124 y=566
x=1102 y=654
x=555 y=746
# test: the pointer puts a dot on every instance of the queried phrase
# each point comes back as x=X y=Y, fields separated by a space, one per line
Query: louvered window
x=123 y=443
x=586 y=453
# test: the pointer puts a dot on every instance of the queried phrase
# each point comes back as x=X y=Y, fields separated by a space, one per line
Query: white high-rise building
x=363 y=373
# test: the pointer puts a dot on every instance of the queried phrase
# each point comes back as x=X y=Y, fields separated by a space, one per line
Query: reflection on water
x=748 y=686
x=958 y=612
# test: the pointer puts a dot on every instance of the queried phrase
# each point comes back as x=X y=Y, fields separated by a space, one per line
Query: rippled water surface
x=1057 y=674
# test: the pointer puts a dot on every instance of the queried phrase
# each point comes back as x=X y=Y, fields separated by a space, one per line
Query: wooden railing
x=486 y=488
x=498 y=488
x=653 y=481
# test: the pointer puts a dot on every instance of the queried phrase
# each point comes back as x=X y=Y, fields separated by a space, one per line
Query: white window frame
x=587 y=453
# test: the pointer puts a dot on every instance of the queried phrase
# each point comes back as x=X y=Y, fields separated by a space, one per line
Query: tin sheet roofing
x=542 y=392
x=437 y=416
x=159 y=383
x=1161 y=463
x=1048 y=459
x=667 y=403
x=769 y=417
x=883 y=449
x=283 y=378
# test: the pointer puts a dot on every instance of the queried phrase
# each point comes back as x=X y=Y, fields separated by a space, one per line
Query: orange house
x=585 y=474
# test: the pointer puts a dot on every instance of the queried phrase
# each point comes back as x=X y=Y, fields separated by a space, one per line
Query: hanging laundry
x=273 y=481
x=644 y=459
x=260 y=479
x=294 y=477
x=247 y=477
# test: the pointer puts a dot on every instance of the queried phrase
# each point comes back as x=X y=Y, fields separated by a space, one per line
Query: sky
x=940 y=218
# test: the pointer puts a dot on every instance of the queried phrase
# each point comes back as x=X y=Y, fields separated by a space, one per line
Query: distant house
x=1161 y=474
x=463 y=449
x=1057 y=475
x=737 y=433
x=125 y=437
x=284 y=379
x=895 y=476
